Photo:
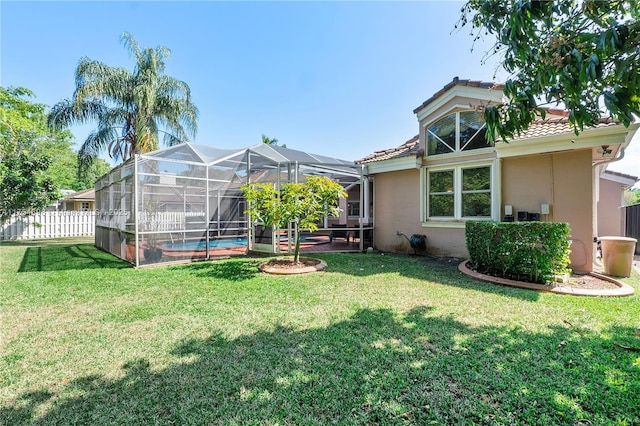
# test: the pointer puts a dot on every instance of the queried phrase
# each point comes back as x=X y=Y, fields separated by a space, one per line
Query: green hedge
x=525 y=251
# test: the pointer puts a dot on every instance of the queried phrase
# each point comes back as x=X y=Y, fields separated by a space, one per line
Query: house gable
x=460 y=93
x=552 y=134
x=435 y=182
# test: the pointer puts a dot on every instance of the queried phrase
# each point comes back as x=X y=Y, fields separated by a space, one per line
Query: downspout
x=596 y=198
x=618 y=157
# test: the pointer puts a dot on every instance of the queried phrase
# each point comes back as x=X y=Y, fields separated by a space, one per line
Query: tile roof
x=86 y=194
x=622 y=175
x=538 y=129
x=410 y=147
x=457 y=82
x=556 y=126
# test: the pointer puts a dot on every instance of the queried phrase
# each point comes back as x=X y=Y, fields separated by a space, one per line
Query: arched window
x=457 y=132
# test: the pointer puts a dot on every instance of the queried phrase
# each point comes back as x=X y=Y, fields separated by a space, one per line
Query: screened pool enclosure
x=185 y=202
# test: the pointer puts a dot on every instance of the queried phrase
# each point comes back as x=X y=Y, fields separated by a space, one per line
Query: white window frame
x=494 y=172
x=457 y=149
x=351 y=205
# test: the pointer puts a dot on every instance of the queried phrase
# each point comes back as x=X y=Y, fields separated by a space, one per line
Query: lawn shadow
x=64 y=257
x=234 y=269
x=440 y=270
x=376 y=367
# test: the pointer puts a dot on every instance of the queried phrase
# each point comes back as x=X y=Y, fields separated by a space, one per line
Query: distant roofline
x=622 y=175
x=85 y=194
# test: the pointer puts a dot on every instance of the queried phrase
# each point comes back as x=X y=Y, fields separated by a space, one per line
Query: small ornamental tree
x=303 y=204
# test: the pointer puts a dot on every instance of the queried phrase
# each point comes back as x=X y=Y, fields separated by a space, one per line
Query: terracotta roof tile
x=457 y=82
x=556 y=126
x=86 y=194
x=410 y=147
x=538 y=129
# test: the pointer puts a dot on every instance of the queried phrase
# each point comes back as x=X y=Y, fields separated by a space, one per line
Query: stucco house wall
x=610 y=202
x=397 y=209
x=561 y=180
x=546 y=165
x=610 y=218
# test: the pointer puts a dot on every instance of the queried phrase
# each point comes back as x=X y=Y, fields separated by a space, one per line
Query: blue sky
x=333 y=78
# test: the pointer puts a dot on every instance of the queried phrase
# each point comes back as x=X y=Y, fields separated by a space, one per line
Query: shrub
x=526 y=251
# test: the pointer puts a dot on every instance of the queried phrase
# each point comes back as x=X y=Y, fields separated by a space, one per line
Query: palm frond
x=131 y=108
x=95 y=80
x=170 y=140
x=65 y=113
x=131 y=45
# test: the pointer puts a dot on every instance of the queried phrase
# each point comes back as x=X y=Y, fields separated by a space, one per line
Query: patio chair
x=367 y=235
x=338 y=232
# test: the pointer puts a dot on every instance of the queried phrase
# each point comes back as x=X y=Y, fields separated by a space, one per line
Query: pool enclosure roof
x=260 y=157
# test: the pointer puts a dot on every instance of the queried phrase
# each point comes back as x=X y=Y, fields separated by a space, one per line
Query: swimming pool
x=221 y=243
x=198 y=245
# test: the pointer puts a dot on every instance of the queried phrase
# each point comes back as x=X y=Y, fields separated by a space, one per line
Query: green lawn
x=375 y=339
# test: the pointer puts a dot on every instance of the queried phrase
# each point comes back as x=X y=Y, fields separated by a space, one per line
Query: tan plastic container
x=617 y=255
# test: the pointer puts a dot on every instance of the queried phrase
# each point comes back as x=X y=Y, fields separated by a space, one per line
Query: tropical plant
x=271 y=141
x=577 y=54
x=131 y=108
x=303 y=204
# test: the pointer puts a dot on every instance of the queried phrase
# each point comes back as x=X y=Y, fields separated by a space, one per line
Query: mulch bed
x=286 y=266
x=290 y=264
x=588 y=281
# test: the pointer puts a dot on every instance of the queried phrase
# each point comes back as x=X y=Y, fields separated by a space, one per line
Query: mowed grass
x=375 y=339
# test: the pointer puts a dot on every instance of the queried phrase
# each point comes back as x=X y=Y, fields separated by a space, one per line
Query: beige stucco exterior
x=79 y=205
x=397 y=209
x=610 y=202
x=550 y=166
x=564 y=182
x=561 y=180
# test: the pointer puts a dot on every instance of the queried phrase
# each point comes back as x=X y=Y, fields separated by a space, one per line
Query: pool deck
x=321 y=244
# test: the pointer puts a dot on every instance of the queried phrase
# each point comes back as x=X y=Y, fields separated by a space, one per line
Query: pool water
x=196 y=245
x=200 y=245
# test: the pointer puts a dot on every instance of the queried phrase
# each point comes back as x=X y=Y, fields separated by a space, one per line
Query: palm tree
x=131 y=108
x=266 y=140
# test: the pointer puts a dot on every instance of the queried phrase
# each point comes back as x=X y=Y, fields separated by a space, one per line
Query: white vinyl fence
x=49 y=225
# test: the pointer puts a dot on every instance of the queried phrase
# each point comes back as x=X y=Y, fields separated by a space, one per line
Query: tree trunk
x=296 y=251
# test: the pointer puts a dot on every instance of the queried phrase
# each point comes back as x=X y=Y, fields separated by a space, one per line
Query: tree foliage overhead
x=131 y=109
x=24 y=184
x=35 y=162
x=303 y=204
x=581 y=55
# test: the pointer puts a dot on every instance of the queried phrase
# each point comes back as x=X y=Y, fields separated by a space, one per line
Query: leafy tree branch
x=581 y=55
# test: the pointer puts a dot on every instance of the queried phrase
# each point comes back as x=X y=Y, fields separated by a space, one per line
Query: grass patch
x=373 y=339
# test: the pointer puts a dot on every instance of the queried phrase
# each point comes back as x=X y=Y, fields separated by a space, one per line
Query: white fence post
x=49 y=225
